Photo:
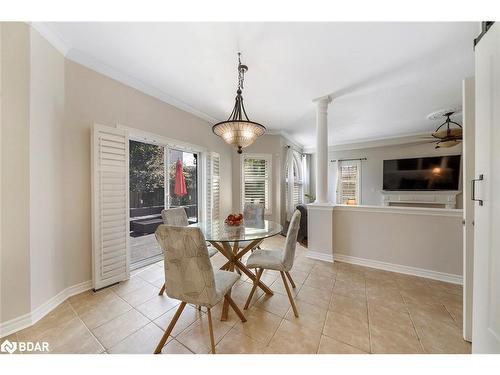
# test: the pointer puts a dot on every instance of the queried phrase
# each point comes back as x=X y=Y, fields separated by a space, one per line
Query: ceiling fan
x=449 y=133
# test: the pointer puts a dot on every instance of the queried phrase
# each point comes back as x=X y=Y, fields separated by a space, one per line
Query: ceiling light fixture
x=449 y=133
x=238 y=130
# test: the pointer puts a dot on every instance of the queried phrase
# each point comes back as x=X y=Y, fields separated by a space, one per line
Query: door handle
x=473 y=189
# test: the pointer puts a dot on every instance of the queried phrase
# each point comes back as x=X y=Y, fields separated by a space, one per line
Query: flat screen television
x=429 y=173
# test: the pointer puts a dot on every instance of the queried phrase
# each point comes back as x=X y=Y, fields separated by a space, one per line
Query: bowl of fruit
x=234 y=220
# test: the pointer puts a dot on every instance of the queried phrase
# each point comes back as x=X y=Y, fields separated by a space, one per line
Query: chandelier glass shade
x=238 y=130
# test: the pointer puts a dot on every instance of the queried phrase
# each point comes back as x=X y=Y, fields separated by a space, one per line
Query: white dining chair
x=190 y=277
x=278 y=260
x=177 y=217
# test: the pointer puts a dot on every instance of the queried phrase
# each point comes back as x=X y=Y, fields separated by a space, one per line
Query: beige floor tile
x=197 y=339
x=189 y=316
x=442 y=286
x=347 y=330
x=57 y=317
x=292 y=338
x=104 y=312
x=298 y=276
x=386 y=297
x=349 y=289
x=114 y=331
x=318 y=297
x=320 y=282
x=277 y=304
x=241 y=291
x=260 y=325
x=157 y=306
x=324 y=269
x=175 y=347
x=158 y=283
x=409 y=282
x=304 y=264
x=278 y=287
x=235 y=342
x=374 y=275
x=310 y=316
x=419 y=296
x=88 y=300
x=143 y=341
x=71 y=337
x=384 y=341
x=151 y=274
x=327 y=345
x=385 y=317
x=424 y=315
x=268 y=277
x=355 y=307
x=128 y=286
x=442 y=338
x=141 y=295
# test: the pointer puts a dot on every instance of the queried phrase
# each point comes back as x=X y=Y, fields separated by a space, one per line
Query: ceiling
x=385 y=77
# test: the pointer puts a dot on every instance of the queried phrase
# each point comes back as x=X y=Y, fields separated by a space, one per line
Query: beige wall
x=49 y=259
x=429 y=239
x=15 y=89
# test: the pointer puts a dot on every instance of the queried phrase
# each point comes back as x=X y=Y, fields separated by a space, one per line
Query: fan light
x=238 y=130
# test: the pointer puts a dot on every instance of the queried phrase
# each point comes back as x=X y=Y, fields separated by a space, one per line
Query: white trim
x=451 y=212
x=111 y=72
x=52 y=36
x=407 y=270
x=319 y=256
x=159 y=140
x=27 y=320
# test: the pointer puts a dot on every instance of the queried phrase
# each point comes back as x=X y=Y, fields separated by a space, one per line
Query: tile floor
x=343 y=309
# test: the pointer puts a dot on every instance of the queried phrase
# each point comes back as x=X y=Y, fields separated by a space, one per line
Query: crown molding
x=51 y=36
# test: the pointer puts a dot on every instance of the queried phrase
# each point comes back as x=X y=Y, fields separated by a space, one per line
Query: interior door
x=486 y=304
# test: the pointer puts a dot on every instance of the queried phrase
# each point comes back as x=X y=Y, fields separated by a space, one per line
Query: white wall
x=372 y=168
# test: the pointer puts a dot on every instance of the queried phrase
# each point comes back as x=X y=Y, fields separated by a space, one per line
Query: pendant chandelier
x=238 y=130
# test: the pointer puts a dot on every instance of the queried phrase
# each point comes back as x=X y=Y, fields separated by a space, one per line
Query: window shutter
x=213 y=186
x=349 y=175
x=110 y=206
x=256 y=182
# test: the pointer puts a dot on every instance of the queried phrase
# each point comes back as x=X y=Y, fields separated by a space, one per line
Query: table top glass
x=218 y=231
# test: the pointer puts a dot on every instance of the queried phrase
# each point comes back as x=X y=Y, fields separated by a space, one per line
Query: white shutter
x=256 y=177
x=110 y=205
x=349 y=177
x=213 y=186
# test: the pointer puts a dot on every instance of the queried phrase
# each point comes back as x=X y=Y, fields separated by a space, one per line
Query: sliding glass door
x=160 y=177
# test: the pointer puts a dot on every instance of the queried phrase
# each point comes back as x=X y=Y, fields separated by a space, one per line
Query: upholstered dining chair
x=177 y=217
x=190 y=277
x=253 y=214
x=278 y=260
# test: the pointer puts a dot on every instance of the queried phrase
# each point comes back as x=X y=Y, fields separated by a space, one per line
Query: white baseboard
x=421 y=272
x=320 y=256
x=26 y=320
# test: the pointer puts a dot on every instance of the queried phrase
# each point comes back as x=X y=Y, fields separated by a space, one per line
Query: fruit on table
x=234 y=219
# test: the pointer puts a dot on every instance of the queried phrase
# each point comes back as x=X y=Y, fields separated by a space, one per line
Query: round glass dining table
x=235 y=242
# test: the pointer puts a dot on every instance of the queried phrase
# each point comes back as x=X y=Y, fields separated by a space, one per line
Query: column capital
x=327 y=99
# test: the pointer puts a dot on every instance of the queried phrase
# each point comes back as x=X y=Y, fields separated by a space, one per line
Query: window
x=256 y=180
x=349 y=182
x=294 y=183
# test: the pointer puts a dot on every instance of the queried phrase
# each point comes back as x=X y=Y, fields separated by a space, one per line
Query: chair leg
x=259 y=273
x=162 y=290
x=170 y=327
x=290 y=279
x=235 y=308
x=290 y=297
x=211 y=330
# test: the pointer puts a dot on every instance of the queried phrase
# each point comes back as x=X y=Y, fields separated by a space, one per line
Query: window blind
x=213 y=186
x=256 y=181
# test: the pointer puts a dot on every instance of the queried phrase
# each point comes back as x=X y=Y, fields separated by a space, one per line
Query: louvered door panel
x=110 y=206
x=213 y=186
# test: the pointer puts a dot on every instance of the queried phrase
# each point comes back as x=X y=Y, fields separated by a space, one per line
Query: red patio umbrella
x=180 y=181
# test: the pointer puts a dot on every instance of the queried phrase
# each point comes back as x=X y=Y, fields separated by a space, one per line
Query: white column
x=320 y=213
x=322 y=149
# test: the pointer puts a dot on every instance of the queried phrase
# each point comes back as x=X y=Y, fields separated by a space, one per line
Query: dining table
x=233 y=242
